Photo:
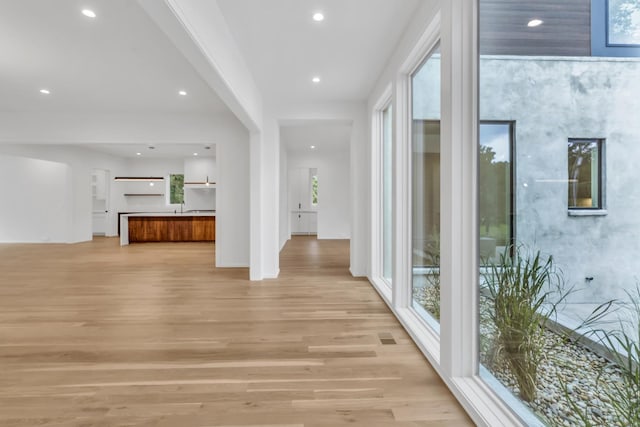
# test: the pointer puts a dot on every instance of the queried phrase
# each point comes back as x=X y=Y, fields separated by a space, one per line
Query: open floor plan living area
x=315 y=213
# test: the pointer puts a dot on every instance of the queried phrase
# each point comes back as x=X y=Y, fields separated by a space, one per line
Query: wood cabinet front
x=172 y=229
x=203 y=229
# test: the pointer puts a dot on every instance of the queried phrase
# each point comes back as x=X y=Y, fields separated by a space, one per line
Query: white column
x=459 y=201
x=255 y=206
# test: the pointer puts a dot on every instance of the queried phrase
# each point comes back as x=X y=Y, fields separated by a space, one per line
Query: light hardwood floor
x=95 y=334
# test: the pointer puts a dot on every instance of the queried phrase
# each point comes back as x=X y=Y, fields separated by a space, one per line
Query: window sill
x=587 y=212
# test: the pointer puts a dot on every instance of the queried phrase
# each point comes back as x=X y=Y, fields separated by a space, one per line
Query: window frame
x=425 y=317
x=377 y=175
x=600 y=45
x=454 y=354
x=601 y=206
x=512 y=172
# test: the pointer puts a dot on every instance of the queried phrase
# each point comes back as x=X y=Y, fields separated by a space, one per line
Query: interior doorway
x=315 y=179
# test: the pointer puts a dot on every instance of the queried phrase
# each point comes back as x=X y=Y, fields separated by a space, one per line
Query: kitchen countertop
x=170 y=214
x=124 y=220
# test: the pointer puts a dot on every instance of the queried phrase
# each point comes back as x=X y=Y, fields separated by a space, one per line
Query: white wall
x=81 y=162
x=194 y=169
x=334 y=203
x=200 y=198
x=285 y=218
x=232 y=203
x=199 y=169
x=68 y=128
x=37 y=201
x=147 y=167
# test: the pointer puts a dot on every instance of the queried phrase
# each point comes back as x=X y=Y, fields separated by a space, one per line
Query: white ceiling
x=117 y=62
x=323 y=136
x=160 y=151
x=285 y=48
x=121 y=62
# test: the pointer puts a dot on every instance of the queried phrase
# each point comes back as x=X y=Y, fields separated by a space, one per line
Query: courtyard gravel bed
x=569 y=373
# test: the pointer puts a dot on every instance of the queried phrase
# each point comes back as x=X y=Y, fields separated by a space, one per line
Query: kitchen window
x=314 y=190
x=176 y=189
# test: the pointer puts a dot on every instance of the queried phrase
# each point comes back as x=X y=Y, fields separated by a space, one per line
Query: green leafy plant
x=524 y=290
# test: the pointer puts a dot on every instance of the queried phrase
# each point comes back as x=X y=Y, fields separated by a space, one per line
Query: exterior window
x=425 y=187
x=496 y=188
x=387 y=202
x=314 y=190
x=176 y=189
x=585 y=173
x=615 y=28
x=566 y=266
x=623 y=22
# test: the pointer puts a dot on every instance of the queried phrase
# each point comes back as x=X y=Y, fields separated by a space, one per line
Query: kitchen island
x=167 y=227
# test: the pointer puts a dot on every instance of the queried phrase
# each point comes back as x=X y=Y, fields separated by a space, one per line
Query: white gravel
x=585 y=374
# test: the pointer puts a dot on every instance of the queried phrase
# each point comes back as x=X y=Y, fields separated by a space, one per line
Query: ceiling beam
x=199 y=30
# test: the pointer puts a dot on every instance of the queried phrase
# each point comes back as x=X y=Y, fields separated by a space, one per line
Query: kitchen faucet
x=181 y=205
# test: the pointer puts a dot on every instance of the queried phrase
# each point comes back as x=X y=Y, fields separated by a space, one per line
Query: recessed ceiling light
x=138 y=154
x=45 y=91
x=151 y=184
x=88 y=13
x=182 y=93
x=318 y=17
x=313 y=147
x=195 y=154
x=316 y=79
x=535 y=23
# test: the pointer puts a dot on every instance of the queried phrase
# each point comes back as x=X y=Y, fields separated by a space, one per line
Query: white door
x=100 y=201
x=304 y=223
x=304 y=218
x=299 y=189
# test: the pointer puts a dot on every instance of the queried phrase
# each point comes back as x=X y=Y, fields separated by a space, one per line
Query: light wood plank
x=154 y=335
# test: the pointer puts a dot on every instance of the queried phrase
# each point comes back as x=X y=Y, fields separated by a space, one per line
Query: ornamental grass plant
x=524 y=290
x=623 y=346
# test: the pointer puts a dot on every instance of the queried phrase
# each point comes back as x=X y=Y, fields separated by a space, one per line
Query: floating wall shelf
x=206 y=183
x=139 y=178
x=200 y=185
x=143 y=194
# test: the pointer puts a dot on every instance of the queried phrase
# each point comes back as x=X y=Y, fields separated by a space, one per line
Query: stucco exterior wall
x=552 y=100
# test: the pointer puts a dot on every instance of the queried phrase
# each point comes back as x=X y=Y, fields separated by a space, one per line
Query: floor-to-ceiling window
x=387 y=193
x=425 y=186
x=558 y=203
